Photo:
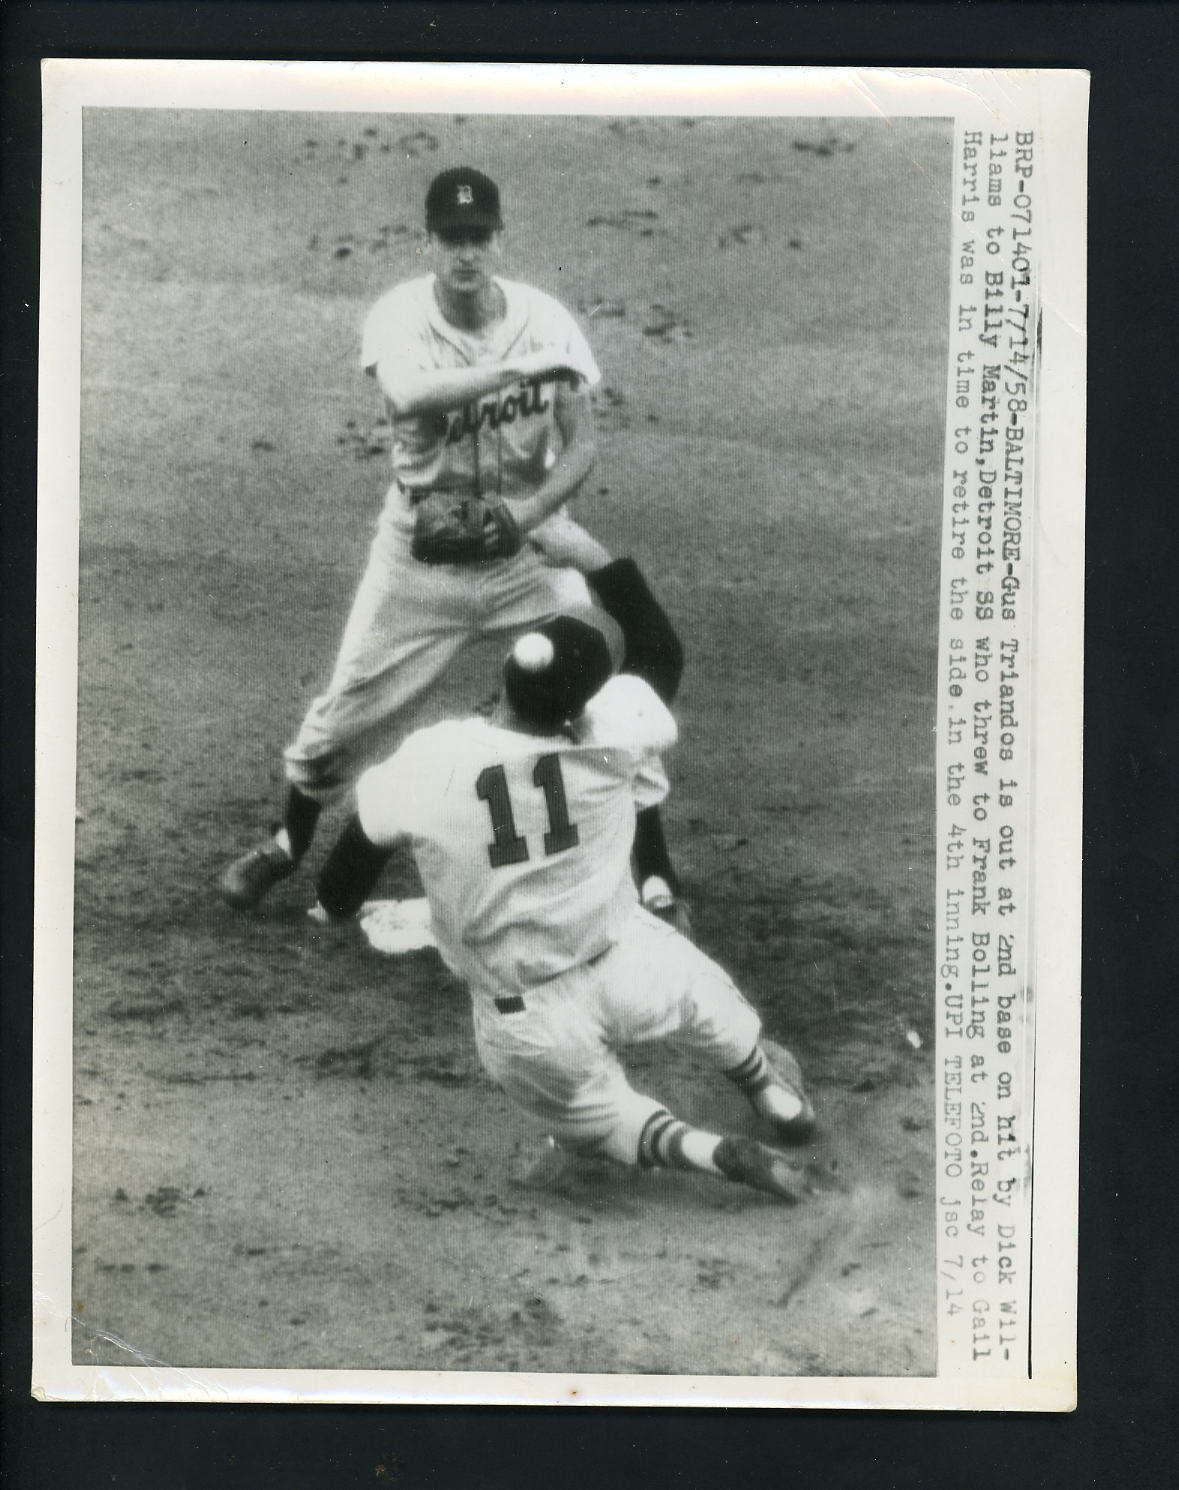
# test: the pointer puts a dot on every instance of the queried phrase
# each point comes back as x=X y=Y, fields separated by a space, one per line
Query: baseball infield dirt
x=286 y=1154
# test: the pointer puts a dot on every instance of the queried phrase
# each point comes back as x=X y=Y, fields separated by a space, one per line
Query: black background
x=1120 y=1435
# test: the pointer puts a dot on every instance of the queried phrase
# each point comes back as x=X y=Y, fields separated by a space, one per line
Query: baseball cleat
x=797 y=1129
x=748 y=1162
x=248 y=879
x=551 y=1169
x=783 y=1102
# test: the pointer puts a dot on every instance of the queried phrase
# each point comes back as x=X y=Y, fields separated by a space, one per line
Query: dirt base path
x=333 y=1181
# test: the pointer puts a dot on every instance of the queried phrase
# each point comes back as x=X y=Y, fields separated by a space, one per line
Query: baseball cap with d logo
x=462 y=198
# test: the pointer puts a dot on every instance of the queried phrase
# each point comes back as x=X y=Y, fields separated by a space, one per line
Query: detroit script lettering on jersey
x=505 y=442
x=493 y=412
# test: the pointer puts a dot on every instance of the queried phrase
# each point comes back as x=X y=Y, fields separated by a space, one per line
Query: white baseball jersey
x=523 y=842
x=504 y=442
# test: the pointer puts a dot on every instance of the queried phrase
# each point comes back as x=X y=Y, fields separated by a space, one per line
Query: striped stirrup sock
x=661 y=1144
x=765 y=1091
x=668 y=1143
x=753 y=1075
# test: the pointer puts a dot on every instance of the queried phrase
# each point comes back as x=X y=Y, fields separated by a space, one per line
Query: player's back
x=526 y=853
x=523 y=842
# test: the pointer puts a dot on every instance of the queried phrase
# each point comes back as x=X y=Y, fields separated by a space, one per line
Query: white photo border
x=1055 y=103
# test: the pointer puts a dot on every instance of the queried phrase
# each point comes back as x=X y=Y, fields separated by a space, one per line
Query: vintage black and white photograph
x=505 y=906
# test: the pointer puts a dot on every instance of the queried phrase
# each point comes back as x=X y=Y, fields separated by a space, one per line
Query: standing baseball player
x=485 y=381
x=522 y=826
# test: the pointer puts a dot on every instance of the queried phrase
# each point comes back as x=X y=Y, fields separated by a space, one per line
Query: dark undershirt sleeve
x=653 y=650
x=350 y=871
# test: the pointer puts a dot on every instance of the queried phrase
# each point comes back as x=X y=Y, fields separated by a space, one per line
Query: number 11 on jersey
x=507 y=846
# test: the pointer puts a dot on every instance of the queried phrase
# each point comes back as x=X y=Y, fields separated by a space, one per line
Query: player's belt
x=514 y=1004
x=415 y=494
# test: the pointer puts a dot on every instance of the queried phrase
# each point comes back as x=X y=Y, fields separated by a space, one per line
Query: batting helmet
x=550 y=695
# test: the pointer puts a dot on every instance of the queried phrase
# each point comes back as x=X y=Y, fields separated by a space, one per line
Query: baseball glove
x=451 y=529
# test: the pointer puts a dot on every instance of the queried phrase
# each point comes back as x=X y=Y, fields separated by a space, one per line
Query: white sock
x=670 y=1143
x=698 y=1149
x=776 y=1102
x=283 y=839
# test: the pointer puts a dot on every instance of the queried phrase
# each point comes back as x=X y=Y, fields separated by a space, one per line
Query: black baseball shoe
x=748 y=1162
x=795 y=1130
x=777 y=1101
x=249 y=878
